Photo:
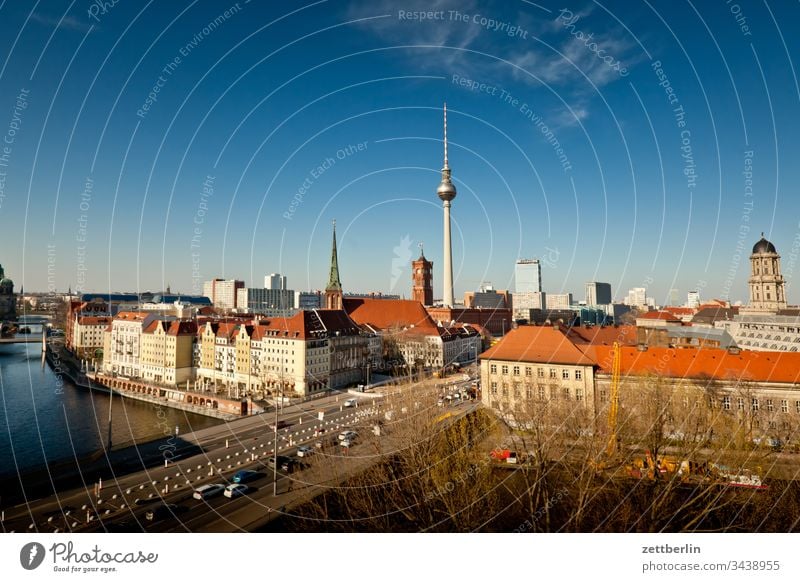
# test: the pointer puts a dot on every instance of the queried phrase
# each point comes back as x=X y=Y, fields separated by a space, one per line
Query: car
x=440 y=402
x=347 y=434
x=281 y=424
x=281 y=460
x=244 y=475
x=350 y=403
x=305 y=451
x=319 y=432
x=347 y=443
x=161 y=511
x=285 y=463
x=208 y=491
x=235 y=490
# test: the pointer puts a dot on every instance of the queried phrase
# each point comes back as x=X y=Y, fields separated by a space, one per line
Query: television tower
x=446 y=192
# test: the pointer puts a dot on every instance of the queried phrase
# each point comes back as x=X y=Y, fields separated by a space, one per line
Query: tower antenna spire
x=445 y=136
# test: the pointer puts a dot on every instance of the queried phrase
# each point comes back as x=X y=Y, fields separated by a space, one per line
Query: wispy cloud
x=453 y=45
x=64 y=23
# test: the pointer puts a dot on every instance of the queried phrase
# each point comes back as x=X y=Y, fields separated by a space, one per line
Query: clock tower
x=422 y=279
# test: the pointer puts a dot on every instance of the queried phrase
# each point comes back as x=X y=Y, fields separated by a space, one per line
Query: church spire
x=333 y=292
x=333 y=281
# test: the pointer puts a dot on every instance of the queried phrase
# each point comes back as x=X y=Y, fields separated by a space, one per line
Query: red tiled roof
x=93 y=320
x=529 y=343
x=132 y=315
x=704 y=363
x=386 y=314
x=306 y=324
x=663 y=315
x=680 y=310
x=624 y=334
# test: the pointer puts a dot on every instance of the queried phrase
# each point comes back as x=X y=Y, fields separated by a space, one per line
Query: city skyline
x=234 y=169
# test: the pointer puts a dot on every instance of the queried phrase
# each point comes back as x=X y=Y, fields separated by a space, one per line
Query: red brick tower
x=422 y=279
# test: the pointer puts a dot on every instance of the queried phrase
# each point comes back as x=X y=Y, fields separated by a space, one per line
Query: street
x=121 y=501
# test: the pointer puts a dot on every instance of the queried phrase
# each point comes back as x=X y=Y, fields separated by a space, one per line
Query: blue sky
x=564 y=144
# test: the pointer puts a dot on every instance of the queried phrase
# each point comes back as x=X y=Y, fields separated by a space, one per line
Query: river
x=43 y=420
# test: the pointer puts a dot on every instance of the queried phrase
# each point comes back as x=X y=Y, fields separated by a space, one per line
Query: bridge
x=36 y=331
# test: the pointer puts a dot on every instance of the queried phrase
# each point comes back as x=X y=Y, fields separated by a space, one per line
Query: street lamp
x=275 y=437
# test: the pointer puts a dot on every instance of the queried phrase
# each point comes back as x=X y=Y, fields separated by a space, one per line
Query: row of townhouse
x=305 y=354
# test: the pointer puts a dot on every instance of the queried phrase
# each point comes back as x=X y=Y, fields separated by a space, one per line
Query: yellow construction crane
x=610 y=456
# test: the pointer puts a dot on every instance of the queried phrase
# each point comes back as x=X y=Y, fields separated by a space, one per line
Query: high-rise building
x=307 y=300
x=275 y=281
x=333 y=291
x=637 y=297
x=693 y=299
x=524 y=302
x=558 y=300
x=223 y=293
x=767 y=286
x=598 y=293
x=422 y=279
x=446 y=192
x=527 y=287
x=269 y=302
x=528 y=276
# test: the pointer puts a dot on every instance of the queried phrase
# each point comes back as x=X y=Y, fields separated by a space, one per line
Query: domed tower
x=446 y=192
x=767 y=287
x=8 y=302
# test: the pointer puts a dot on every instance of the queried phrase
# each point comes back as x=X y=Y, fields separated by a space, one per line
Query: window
x=603 y=396
x=797 y=406
x=553 y=373
x=528 y=371
x=770 y=406
x=516 y=370
x=528 y=392
x=578 y=374
x=516 y=391
x=740 y=403
x=754 y=405
x=540 y=392
x=726 y=402
x=566 y=394
x=784 y=406
x=505 y=369
x=505 y=391
x=579 y=394
x=493 y=369
x=540 y=372
x=494 y=388
x=553 y=393
x=565 y=374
